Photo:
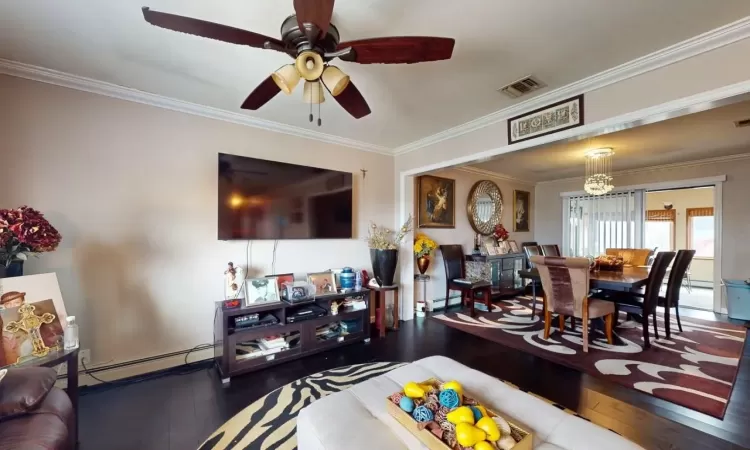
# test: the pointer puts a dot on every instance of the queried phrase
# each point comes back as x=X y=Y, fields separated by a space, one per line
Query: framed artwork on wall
x=436 y=202
x=521 y=208
x=547 y=120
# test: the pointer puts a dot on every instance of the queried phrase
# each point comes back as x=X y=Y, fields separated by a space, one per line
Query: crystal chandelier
x=599 y=171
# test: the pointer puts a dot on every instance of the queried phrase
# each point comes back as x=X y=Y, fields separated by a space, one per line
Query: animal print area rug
x=696 y=368
x=271 y=422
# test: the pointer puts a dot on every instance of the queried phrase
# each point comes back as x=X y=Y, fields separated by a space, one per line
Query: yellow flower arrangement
x=423 y=245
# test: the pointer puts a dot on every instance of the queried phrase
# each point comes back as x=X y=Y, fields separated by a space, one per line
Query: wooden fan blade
x=399 y=50
x=261 y=95
x=209 y=30
x=318 y=12
x=353 y=102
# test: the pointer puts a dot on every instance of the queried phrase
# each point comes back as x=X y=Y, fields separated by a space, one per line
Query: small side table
x=55 y=358
x=422 y=280
x=380 y=294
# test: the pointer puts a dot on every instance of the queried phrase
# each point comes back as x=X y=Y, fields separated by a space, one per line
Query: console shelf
x=302 y=334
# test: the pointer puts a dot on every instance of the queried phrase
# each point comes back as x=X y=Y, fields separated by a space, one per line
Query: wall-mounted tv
x=261 y=199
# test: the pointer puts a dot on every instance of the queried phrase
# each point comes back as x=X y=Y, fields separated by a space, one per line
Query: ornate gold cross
x=30 y=323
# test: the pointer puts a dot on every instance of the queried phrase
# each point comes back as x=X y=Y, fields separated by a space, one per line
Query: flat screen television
x=261 y=199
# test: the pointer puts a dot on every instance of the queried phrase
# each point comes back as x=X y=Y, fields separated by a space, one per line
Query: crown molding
x=689 y=48
x=491 y=174
x=680 y=165
x=80 y=83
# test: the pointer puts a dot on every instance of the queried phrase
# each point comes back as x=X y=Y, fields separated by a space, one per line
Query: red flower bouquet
x=24 y=230
x=500 y=233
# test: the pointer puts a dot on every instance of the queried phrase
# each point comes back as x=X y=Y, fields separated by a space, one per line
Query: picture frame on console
x=325 y=282
x=261 y=290
x=281 y=280
x=513 y=247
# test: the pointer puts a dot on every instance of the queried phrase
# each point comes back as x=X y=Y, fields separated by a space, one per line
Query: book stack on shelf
x=354 y=304
x=263 y=346
x=329 y=331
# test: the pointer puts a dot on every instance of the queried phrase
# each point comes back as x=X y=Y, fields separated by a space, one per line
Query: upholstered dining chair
x=551 y=250
x=645 y=304
x=566 y=284
x=672 y=299
x=536 y=286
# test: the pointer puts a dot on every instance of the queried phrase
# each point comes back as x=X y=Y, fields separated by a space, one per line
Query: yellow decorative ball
x=468 y=435
x=484 y=445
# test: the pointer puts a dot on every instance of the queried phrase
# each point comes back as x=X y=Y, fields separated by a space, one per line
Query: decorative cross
x=30 y=323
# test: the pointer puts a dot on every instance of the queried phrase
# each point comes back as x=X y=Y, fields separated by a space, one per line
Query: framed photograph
x=491 y=249
x=521 y=208
x=261 y=290
x=502 y=248
x=436 y=202
x=547 y=120
x=281 y=280
x=325 y=282
x=514 y=247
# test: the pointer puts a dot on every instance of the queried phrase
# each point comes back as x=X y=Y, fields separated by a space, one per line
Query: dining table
x=630 y=279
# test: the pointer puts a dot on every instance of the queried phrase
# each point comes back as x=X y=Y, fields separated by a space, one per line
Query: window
x=660 y=229
x=700 y=231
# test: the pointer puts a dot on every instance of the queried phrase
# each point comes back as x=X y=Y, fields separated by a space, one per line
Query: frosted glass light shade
x=286 y=78
x=335 y=80
x=313 y=92
x=309 y=65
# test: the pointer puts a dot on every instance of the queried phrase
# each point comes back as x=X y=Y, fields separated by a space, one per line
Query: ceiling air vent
x=742 y=123
x=523 y=86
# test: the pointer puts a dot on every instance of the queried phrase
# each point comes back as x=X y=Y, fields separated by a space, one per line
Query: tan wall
x=463 y=234
x=133 y=190
x=711 y=70
x=702 y=269
x=735 y=207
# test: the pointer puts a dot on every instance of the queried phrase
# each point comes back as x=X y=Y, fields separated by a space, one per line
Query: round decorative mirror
x=484 y=207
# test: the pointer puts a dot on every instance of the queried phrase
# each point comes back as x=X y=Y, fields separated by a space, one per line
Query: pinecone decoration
x=468 y=401
x=396 y=398
x=418 y=402
x=447 y=426
x=442 y=414
x=450 y=438
x=432 y=405
x=433 y=396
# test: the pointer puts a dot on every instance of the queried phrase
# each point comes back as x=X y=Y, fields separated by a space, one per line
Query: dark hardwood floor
x=179 y=411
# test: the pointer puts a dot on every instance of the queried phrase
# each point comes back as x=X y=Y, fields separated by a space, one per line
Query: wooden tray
x=433 y=442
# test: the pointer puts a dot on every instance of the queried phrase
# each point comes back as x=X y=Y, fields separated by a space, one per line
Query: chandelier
x=599 y=171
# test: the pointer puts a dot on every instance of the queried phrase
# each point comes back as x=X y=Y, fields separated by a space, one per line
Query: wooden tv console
x=227 y=337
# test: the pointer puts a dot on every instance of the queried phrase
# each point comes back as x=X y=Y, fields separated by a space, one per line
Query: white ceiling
x=693 y=137
x=498 y=42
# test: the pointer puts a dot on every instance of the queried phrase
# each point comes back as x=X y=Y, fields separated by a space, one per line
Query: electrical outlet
x=85 y=355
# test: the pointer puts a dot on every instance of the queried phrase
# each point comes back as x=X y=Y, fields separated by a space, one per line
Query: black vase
x=384 y=265
x=15 y=269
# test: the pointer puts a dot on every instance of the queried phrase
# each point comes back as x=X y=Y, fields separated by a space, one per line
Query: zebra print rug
x=271 y=422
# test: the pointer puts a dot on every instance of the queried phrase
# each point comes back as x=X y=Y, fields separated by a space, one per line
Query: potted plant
x=23 y=231
x=423 y=248
x=500 y=233
x=383 y=245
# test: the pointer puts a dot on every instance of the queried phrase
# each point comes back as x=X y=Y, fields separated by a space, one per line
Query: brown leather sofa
x=35 y=415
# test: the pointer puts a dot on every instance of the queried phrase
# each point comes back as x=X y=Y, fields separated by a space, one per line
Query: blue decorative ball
x=406 y=404
x=449 y=398
x=422 y=414
x=477 y=413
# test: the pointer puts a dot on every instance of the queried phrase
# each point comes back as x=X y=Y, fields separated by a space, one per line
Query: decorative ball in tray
x=443 y=416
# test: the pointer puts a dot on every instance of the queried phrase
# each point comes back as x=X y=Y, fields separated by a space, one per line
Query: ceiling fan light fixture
x=313 y=93
x=286 y=78
x=335 y=80
x=309 y=65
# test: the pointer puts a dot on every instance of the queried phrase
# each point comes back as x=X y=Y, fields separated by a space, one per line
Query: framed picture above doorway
x=436 y=202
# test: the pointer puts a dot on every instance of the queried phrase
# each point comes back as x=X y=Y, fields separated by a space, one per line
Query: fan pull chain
x=320 y=121
x=311 y=115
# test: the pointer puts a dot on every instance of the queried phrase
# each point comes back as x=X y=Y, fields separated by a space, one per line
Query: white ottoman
x=357 y=418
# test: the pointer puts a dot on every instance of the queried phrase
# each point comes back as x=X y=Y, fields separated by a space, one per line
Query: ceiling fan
x=313 y=42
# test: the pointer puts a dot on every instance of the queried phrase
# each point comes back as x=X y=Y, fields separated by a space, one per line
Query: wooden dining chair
x=551 y=250
x=672 y=299
x=645 y=304
x=566 y=284
x=536 y=286
x=454 y=262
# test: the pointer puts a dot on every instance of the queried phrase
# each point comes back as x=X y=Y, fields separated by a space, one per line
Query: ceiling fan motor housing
x=296 y=38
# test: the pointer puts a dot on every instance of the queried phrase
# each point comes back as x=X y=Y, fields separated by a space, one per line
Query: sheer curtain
x=591 y=224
